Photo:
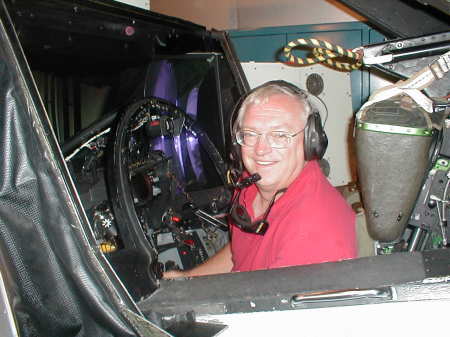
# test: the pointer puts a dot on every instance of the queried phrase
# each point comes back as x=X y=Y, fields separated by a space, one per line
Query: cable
x=86 y=144
x=444 y=209
x=324 y=52
x=324 y=105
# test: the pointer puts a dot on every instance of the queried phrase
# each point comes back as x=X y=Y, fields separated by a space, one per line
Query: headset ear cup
x=315 y=139
x=322 y=143
x=307 y=146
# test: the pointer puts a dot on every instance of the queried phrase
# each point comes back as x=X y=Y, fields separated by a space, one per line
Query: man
x=308 y=220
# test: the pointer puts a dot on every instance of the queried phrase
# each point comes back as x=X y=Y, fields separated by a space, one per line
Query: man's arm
x=220 y=263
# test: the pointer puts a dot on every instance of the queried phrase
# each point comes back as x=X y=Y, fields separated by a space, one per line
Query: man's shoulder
x=312 y=181
x=316 y=196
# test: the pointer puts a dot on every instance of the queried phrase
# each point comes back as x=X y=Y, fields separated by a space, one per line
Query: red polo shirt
x=309 y=223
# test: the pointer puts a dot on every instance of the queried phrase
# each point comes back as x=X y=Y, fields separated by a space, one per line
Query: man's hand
x=217 y=264
x=172 y=274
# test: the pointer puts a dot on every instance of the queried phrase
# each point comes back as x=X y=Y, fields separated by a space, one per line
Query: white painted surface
x=415 y=318
x=337 y=97
x=7 y=320
x=244 y=14
x=145 y=4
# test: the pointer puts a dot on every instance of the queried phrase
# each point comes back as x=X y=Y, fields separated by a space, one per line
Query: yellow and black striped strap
x=323 y=51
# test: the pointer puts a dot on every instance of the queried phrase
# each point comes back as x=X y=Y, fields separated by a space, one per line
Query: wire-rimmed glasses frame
x=276 y=139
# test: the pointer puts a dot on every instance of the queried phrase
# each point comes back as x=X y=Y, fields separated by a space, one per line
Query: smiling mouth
x=265 y=163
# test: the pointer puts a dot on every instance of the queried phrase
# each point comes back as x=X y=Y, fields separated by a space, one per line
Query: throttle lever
x=211 y=219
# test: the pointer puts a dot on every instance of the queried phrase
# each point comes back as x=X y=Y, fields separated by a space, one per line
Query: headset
x=314 y=145
x=315 y=140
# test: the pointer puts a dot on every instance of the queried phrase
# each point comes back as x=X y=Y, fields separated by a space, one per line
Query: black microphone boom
x=246 y=182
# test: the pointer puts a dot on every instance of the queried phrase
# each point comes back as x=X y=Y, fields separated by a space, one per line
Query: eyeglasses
x=242 y=219
x=276 y=139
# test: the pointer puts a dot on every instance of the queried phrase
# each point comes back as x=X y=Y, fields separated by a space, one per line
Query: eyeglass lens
x=275 y=139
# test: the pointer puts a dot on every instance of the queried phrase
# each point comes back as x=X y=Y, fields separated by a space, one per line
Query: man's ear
x=301 y=148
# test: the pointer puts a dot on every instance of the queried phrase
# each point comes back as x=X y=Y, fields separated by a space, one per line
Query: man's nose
x=262 y=145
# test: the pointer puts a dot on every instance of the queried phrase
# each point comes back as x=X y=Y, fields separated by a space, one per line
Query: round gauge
x=314 y=84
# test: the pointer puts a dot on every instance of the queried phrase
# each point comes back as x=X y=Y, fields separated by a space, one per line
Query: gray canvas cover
x=57 y=283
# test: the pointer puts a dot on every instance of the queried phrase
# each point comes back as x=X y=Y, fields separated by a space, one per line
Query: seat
x=366 y=246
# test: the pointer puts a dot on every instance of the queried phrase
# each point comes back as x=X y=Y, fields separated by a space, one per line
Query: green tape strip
x=401 y=130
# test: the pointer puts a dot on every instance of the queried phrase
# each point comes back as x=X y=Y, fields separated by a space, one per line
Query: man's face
x=277 y=167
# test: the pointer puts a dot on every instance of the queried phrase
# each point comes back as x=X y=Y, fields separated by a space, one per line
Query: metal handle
x=210 y=219
x=341 y=295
